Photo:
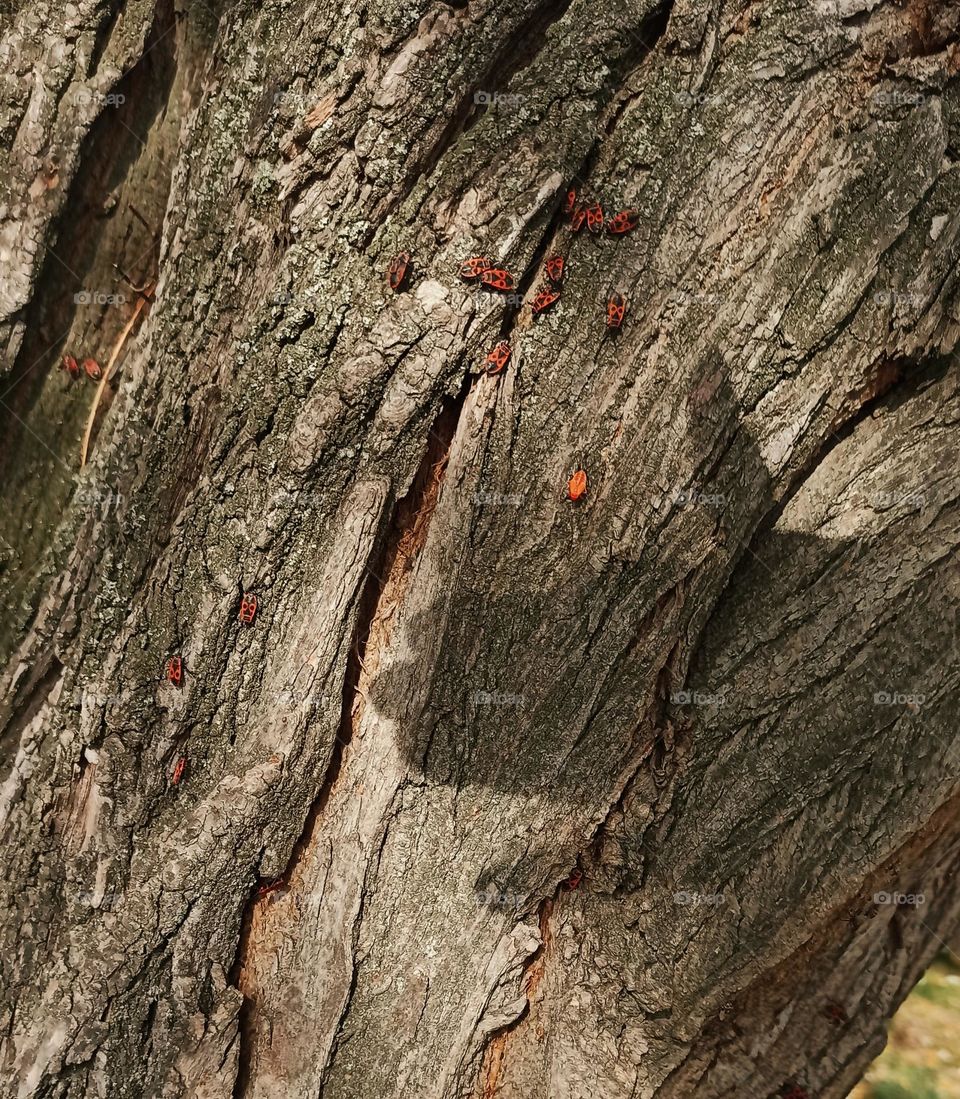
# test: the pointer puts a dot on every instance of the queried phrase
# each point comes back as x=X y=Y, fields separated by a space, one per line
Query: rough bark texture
x=723 y=688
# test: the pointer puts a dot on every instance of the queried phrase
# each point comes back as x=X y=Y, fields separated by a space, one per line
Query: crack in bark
x=391 y=561
x=895 y=380
x=786 y=982
x=113 y=144
x=518 y=52
x=32 y=697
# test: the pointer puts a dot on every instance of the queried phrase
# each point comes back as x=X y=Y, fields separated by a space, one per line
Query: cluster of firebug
x=591 y=214
x=90 y=367
x=480 y=269
x=493 y=278
x=548 y=293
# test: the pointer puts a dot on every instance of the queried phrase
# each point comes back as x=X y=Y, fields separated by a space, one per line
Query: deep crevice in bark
x=404 y=536
x=121 y=163
x=519 y=52
x=645 y=39
x=896 y=381
x=28 y=704
x=108 y=156
x=495 y=1052
x=105 y=33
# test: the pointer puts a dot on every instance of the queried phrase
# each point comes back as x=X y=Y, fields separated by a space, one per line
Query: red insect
x=175 y=670
x=270 y=887
x=624 y=222
x=595 y=217
x=574 y=880
x=92 y=369
x=795 y=1093
x=71 y=366
x=498 y=278
x=544 y=300
x=570 y=202
x=835 y=1013
x=248 y=608
x=178 y=770
x=398 y=271
x=616 y=309
x=474 y=267
x=577 y=221
x=554 y=268
x=577 y=485
x=498 y=357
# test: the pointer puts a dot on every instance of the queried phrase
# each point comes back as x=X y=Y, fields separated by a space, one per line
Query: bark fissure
x=29 y=701
x=896 y=380
x=518 y=52
x=392 y=558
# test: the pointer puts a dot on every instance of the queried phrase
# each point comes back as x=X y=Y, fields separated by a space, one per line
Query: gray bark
x=722 y=688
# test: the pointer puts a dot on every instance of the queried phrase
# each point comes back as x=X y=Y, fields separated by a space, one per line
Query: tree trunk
x=499 y=795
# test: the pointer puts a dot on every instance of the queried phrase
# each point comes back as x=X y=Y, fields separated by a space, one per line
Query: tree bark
x=650 y=795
